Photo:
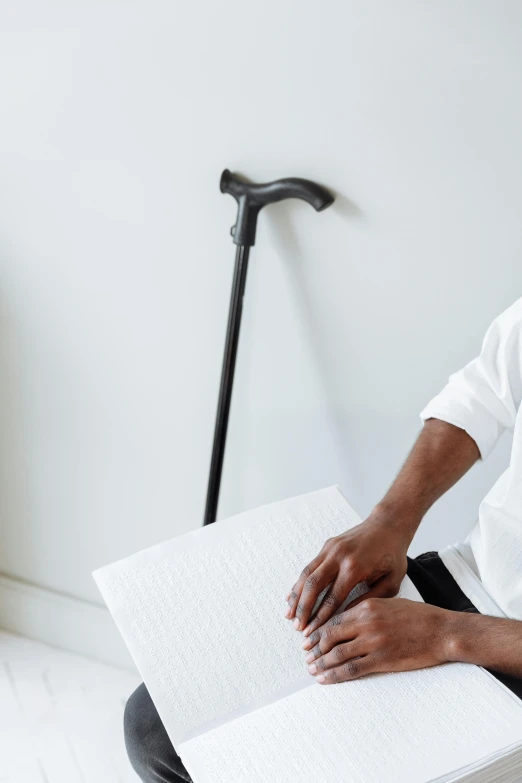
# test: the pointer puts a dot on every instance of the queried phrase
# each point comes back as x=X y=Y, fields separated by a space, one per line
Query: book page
x=408 y=727
x=203 y=614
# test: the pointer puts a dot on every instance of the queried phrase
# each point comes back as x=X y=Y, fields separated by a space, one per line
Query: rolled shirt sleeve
x=483 y=398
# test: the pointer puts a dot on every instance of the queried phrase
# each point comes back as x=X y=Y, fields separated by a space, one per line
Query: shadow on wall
x=290 y=251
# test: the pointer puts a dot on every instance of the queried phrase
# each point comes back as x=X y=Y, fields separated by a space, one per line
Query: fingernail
x=309 y=658
x=320 y=678
x=312 y=668
x=307 y=630
x=296 y=623
x=306 y=644
x=287 y=612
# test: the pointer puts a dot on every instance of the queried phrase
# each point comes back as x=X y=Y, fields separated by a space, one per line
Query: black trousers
x=149 y=748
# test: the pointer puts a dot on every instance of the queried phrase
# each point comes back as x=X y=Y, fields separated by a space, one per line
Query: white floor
x=60 y=716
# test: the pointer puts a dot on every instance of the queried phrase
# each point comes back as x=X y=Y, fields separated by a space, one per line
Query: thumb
x=386 y=587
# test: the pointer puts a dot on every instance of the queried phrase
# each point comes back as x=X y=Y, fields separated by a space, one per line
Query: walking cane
x=250 y=199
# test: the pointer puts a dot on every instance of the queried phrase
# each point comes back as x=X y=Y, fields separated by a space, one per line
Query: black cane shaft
x=227 y=382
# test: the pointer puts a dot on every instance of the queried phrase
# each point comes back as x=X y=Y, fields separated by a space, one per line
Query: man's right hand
x=373 y=552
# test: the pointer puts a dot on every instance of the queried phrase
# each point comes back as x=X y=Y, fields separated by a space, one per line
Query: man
x=473 y=590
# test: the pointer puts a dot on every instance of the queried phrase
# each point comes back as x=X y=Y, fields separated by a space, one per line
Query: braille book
x=203 y=617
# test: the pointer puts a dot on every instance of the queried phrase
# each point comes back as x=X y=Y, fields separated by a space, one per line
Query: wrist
x=396 y=518
x=457 y=634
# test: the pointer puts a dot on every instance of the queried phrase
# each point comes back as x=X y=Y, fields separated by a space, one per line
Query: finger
x=341 y=628
x=312 y=588
x=351 y=670
x=383 y=588
x=333 y=599
x=295 y=593
x=341 y=653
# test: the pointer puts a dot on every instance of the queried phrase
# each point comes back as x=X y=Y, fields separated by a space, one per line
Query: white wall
x=116 y=119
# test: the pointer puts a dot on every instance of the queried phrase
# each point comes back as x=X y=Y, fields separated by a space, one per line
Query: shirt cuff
x=480 y=426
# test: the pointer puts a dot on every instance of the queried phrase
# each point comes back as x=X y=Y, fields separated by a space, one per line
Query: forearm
x=492 y=642
x=441 y=455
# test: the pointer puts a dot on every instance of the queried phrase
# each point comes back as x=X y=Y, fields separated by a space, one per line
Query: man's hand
x=381 y=635
x=373 y=552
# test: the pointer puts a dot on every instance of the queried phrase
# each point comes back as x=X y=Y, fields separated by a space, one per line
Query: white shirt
x=484 y=399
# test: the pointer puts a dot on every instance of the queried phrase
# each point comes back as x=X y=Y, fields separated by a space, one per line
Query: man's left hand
x=380 y=635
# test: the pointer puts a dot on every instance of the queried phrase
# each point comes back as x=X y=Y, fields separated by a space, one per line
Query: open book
x=203 y=617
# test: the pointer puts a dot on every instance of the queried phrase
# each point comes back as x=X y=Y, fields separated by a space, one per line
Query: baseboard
x=61 y=621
